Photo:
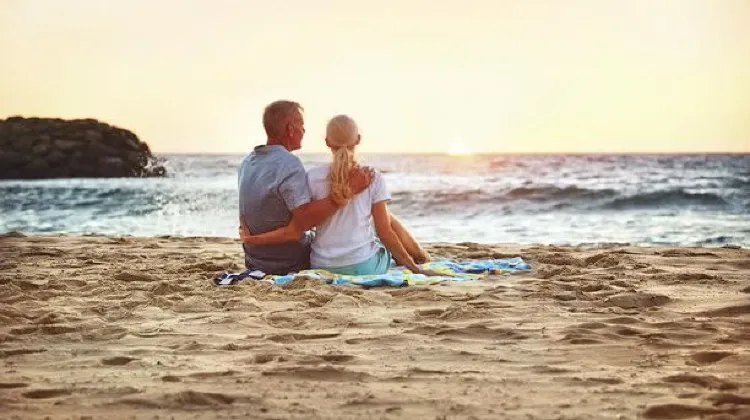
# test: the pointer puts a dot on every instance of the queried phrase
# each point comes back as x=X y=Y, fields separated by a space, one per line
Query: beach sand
x=123 y=327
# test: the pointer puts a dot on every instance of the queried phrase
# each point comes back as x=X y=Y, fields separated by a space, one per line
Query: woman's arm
x=289 y=233
x=389 y=238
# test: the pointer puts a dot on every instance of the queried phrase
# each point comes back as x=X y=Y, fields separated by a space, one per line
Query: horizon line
x=662 y=153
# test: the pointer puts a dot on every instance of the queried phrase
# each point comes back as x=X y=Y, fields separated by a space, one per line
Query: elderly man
x=274 y=191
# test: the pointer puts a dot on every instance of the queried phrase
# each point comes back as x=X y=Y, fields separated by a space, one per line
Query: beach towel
x=396 y=277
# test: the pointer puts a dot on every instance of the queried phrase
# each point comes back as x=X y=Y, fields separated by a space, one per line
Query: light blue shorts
x=377 y=264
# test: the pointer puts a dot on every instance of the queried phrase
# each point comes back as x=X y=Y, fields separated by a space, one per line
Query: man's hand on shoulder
x=360 y=178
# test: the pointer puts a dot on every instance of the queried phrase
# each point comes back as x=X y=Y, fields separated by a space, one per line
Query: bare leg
x=411 y=245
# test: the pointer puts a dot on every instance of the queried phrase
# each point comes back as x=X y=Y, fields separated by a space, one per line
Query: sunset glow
x=505 y=75
x=458 y=149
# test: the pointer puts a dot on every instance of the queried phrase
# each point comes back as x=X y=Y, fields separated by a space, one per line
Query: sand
x=111 y=327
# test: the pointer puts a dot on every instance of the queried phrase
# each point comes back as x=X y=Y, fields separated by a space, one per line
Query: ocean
x=549 y=199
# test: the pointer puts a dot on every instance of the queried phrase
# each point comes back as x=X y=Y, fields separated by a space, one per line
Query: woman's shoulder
x=318 y=171
x=317 y=180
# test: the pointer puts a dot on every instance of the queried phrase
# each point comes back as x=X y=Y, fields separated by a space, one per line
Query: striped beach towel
x=396 y=277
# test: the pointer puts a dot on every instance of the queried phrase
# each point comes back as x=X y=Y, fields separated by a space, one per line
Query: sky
x=489 y=76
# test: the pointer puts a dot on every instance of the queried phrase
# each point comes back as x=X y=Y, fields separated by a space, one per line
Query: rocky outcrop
x=32 y=148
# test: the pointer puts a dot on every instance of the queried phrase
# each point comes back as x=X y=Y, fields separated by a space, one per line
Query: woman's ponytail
x=343 y=161
x=342 y=135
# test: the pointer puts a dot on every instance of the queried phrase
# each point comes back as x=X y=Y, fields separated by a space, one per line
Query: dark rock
x=60 y=172
x=37 y=167
x=132 y=144
x=16 y=129
x=12 y=160
x=41 y=149
x=55 y=157
x=134 y=157
x=22 y=142
x=54 y=148
x=145 y=149
x=113 y=161
x=162 y=171
x=100 y=150
x=114 y=166
x=66 y=145
x=92 y=136
x=4 y=134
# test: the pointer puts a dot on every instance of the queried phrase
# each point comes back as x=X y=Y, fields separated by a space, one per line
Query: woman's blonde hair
x=342 y=135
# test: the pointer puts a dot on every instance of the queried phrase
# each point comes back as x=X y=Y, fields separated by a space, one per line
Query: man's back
x=272 y=183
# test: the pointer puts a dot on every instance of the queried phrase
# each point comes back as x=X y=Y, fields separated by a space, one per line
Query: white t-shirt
x=348 y=237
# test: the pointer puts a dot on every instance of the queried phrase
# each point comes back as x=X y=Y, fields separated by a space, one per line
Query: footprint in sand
x=292 y=337
x=203 y=398
x=723 y=398
x=19 y=352
x=704 y=381
x=581 y=339
x=627 y=331
x=206 y=267
x=167 y=288
x=13 y=385
x=381 y=340
x=219 y=374
x=591 y=325
x=684 y=278
x=337 y=358
x=623 y=320
x=264 y=358
x=474 y=331
x=482 y=332
x=677 y=411
x=57 y=329
x=181 y=400
x=605 y=260
x=549 y=273
x=110 y=332
x=283 y=320
x=685 y=253
x=728 y=311
x=118 y=360
x=46 y=393
x=594 y=381
x=559 y=259
x=325 y=358
x=550 y=370
x=454 y=312
x=27 y=329
x=709 y=357
x=636 y=300
x=595 y=287
x=132 y=275
x=326 y=373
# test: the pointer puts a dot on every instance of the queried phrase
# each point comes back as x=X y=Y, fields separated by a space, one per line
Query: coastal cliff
x=35 y=148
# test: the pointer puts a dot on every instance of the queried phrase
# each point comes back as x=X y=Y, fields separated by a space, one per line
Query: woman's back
x=348 y=236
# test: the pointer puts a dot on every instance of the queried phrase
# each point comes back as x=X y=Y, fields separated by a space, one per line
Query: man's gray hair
x=277 y=115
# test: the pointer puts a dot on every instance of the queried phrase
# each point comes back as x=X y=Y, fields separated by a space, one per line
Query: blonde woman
x=346 y=243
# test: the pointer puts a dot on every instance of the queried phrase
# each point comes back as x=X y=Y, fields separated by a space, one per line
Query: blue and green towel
x=396 y=277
